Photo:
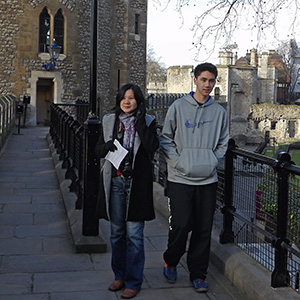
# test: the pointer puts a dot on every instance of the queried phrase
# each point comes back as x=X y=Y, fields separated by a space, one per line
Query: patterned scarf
x=128 y=125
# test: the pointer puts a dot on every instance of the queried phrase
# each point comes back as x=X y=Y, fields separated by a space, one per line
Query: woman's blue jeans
x=127 y=238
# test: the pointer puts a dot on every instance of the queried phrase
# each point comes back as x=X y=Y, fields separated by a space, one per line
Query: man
x=194 y=139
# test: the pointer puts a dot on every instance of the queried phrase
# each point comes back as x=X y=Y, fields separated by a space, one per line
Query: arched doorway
x=44 y=97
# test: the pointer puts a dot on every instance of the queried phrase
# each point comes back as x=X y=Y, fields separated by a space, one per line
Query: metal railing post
x=280 y=275
x=227 y=235
x=90 y=224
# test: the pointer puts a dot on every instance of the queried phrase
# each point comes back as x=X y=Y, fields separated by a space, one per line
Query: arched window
x=59 y=24
x=217 y=93
x=44 y=31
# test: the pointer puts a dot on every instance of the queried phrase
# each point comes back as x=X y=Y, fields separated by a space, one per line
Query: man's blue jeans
x=127 y=238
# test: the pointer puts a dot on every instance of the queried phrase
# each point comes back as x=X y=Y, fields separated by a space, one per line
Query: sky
x=171 y=41
x=171 y=37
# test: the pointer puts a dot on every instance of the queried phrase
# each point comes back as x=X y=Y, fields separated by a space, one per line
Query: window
x=292 y=126
x=59 y=23
x=49 y=31
x=44 y=35
x=273 y=125
x=217 y=93
x=136 y=24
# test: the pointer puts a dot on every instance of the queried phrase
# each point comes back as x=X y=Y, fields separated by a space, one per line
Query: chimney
x=253 y=58
x=225 y=58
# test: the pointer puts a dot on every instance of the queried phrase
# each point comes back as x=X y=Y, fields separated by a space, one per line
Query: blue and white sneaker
x=200 y=285
x=170 y=273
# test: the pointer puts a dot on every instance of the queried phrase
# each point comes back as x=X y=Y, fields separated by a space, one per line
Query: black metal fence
x=154 y=101
x=7 y=116
x=74 y=135
x=258 y=209
x=67 y=133
x=79 y=111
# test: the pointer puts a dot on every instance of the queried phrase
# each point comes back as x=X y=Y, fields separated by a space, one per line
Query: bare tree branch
x=288 y=51
x=220 y=20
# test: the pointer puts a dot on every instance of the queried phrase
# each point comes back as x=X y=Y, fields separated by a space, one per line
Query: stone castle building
x=28 y=27
x=242 y=85
x=247 y=81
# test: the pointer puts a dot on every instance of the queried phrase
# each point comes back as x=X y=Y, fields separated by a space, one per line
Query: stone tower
x=29 y=26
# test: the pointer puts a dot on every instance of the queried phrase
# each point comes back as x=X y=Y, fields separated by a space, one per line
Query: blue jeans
x=127 y=238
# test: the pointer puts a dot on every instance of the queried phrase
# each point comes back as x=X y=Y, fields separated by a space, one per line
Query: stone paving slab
x=70 y=281
x=86 y=295
x=16 y=218
x=15 y=246
x=25 y=231
x=25 y=297
x=7 y=232
x=46 y=218
x=40 y=263
x=33 y=207
x=12 y=284
x=41 y=192
x=12 y=185
x=58 y=245
x=7 y=197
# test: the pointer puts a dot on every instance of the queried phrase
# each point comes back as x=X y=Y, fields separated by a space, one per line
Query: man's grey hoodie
x=194 y=139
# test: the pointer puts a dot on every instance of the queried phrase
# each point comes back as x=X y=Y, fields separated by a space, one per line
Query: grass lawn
x=271 y=152
x=296 y=156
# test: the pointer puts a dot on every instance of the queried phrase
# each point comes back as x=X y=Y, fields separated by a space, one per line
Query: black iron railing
x=154 y=101
x=67 y=134
x=261 y=209
x=7 y=116
x=74 y=135
x=258 y=209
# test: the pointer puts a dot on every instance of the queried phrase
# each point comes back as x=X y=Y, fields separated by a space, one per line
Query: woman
x=127 y=195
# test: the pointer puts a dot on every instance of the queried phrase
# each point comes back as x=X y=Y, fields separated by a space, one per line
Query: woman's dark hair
x=138 y=95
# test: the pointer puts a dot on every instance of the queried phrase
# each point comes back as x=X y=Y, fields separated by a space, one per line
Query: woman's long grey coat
x=141 y=195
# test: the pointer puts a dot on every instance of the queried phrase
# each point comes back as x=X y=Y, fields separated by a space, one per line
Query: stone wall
x=123 y=59
x=180 y=79
x=277 y=120
x=155 y=88
x=121 y=53
x=9 y=27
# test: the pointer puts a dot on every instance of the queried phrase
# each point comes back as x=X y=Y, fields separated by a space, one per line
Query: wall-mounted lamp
x=54 y=51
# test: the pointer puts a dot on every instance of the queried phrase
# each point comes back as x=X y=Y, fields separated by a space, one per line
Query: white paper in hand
x=117 y=156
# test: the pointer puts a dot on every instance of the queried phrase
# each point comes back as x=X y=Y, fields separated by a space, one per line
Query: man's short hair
x=206 y=67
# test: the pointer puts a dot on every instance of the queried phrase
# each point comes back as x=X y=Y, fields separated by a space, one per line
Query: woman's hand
x=141 y=112
x=110 y=146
